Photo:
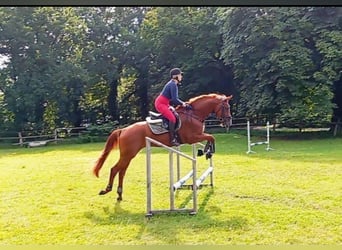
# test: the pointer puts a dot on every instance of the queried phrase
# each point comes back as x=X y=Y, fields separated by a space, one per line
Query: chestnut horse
x=131 y=139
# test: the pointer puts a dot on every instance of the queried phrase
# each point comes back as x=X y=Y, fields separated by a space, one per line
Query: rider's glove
x=187 y=106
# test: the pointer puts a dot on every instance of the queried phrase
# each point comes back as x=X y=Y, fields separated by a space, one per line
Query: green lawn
x=291 y=195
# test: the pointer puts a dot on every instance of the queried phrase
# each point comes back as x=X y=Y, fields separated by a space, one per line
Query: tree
x=111 y=35
x=186 y=37
x=276 y=68
x=44 y=47
x=328 y=43
x=66 y=65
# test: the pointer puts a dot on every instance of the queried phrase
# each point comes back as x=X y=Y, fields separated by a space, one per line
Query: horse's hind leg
x=120 y=168
x=113 y=171
x=124 y=162
x=120 y=185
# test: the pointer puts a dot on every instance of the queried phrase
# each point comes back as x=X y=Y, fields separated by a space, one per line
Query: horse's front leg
x=209 y=148
x=205 y=137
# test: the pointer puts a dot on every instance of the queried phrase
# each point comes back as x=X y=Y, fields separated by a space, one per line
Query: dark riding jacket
x=170 y=91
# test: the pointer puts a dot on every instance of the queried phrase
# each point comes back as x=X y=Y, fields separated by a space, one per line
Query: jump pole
x=209 y=171
x=250 y=144
x=196 y=183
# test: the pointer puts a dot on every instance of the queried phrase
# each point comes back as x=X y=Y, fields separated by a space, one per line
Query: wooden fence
x=29 y=140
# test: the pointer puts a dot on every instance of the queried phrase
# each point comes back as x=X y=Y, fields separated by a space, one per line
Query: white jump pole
x=249 y=139
x=181 y=181
x=268 y=136
x=199 y=181
x=149 y=208
x=148 y=179
x=196 y=183
x=204 y=176
x=194 y=177
x=250 y=144
x=172 y=196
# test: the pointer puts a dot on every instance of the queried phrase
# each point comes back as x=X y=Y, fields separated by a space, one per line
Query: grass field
x=291 y=195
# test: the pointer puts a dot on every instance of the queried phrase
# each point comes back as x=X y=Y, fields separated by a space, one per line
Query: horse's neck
x=203 y=110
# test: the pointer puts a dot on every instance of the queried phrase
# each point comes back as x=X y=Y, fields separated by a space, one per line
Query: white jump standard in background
x=250 y=144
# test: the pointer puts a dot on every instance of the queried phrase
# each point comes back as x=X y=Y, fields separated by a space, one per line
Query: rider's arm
x=174 y=95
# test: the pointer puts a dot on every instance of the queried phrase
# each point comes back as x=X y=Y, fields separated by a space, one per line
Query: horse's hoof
x=119 y=199
x=102 y=192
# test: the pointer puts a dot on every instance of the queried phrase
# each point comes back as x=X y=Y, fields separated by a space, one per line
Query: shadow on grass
x=170 y=227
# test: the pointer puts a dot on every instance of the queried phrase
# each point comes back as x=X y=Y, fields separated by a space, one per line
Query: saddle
x=160 y=124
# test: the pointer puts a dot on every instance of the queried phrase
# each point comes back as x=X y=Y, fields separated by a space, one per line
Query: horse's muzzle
x=226 y=122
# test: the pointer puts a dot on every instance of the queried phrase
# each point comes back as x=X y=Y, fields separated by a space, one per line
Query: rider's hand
x=187 y=106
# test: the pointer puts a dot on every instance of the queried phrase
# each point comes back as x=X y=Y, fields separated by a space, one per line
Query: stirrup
x=174 y=142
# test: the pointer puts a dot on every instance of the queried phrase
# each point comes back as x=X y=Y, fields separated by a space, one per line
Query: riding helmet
x=175 y=71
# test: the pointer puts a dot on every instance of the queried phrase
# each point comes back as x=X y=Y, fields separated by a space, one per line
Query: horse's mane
x=194 y=99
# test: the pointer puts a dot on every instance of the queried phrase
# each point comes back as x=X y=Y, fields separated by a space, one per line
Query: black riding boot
x=172 y=132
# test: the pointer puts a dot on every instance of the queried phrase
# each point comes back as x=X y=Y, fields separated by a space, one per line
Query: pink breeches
x=162 y=106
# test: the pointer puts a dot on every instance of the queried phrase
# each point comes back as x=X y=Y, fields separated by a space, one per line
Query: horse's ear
x=229 y=97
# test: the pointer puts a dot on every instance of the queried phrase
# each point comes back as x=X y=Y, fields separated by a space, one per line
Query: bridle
x=225 y=117
x=222 y=112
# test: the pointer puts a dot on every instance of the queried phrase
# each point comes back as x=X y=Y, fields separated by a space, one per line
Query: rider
x=168 y=97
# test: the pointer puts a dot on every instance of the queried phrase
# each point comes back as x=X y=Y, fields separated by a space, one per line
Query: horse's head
x=212 y=103
x=222 y=110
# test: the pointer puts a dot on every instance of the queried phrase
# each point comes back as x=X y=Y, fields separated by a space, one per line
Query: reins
x=190 y=113
x=224 y=108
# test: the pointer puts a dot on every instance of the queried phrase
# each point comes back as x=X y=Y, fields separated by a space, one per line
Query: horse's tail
x=111 y=143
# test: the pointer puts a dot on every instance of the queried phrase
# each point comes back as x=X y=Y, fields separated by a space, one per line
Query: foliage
x=102 y=129
x=113 y=46
x=187 y=38
x=44 y=48
x=65 y=66
x=280 y=63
